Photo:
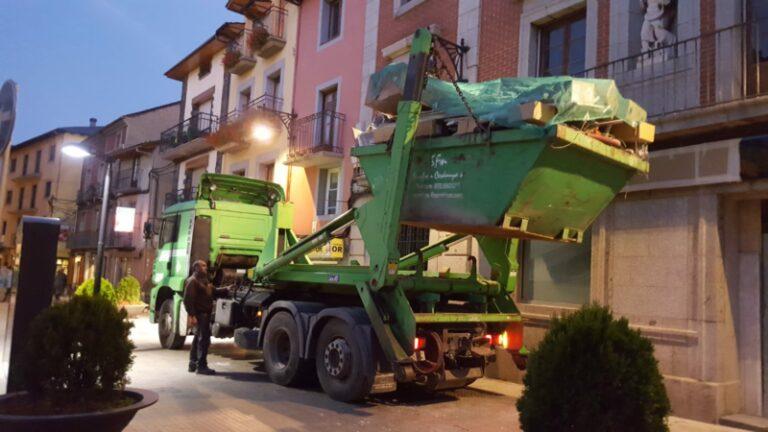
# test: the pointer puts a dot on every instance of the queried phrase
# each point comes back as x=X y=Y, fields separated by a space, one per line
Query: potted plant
x=107 y=290
x=231 y=58
x=128 y=294
x=258 y=37
x=74 y=371
x=592 y=372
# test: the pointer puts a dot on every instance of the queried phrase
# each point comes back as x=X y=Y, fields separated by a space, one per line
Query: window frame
x=33 y=196
x=323 y=38
x=12 y=167
x=526 y=294
x=403 y=6
x=171 y=220
x=203 y=72
x=38 y=160
x=323 y=190
x=566 y=21
x=48 y=189
x=52 y=152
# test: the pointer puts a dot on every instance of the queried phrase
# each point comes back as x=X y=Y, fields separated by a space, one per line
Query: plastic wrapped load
x=499 y=101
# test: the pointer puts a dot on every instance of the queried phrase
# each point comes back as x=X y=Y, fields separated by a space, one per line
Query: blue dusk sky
x=76 y=59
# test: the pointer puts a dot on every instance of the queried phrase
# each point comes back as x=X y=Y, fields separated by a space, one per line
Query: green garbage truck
x=366 y=328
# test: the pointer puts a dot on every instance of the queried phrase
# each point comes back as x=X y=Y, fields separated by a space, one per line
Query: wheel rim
x=166 y=324
x=337 y=358
x=281 y=351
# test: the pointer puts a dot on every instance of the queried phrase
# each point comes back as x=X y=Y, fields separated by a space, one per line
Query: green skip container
x=545 y=183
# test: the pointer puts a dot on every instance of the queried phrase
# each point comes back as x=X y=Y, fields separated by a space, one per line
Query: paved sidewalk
x=241 y=399
x=676 y=424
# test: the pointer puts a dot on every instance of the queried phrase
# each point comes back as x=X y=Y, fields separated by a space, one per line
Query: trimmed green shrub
x=107 y=290
x=593 y=373
x=78 y=348
x=129 y=290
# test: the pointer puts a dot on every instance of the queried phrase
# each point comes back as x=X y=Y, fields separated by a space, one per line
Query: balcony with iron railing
x=188 y=137
x=267 y=37
x=180 y=195
x=239 y=57
x=88 y=239
x=89 y=195
x=264 y=102
x=316 y=139
x=689 y=84
x=250 y=8
x=128 y=181
x=268 y=102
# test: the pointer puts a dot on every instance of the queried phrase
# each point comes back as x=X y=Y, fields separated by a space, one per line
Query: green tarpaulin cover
x=498 y=101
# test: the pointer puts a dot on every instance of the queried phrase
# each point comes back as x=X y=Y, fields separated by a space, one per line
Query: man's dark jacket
x=198 y=296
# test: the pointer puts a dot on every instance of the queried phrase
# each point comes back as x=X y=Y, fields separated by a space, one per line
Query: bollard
x=37 y=270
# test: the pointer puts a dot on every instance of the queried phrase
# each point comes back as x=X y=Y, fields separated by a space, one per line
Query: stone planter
x=114 y=420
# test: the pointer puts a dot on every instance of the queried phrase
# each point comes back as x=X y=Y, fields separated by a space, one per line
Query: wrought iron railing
x=723 y=66
x=127 y=180
x=272 y=24
x=90 y=194
x=320 y=131
x=196 y=126
x=267 y=101
x=180 y=195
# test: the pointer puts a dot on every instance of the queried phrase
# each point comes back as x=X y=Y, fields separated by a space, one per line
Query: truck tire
x=169 y=339
x=345 y=373
x=282 y=358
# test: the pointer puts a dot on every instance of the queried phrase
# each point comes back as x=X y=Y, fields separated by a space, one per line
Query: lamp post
x=74 y=150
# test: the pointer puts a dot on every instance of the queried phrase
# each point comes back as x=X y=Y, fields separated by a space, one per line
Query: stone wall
x=683 y=267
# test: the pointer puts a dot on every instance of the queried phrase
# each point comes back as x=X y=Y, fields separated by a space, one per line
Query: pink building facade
x=327 y=97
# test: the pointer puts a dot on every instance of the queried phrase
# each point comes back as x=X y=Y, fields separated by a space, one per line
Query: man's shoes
x=205 y=370
x=192 y=367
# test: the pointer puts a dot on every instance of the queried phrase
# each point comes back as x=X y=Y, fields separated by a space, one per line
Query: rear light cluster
x=500 y=340
x=510 y=339
x=419 y=343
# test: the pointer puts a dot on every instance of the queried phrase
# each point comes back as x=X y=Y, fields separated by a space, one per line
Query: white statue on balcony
x=657 y=23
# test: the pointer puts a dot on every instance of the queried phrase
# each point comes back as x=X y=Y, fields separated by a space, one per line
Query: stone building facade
x=680 y=252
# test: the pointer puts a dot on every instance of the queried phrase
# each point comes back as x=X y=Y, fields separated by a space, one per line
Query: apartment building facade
x=202 y=75
x=328 y=92
x=42 y=182
x=139 y=183
x=240 y=79
x=680 y=252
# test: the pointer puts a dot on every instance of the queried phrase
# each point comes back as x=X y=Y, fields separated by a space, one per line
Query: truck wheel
x=281 y=351
x=169 y=339
x=344 y=371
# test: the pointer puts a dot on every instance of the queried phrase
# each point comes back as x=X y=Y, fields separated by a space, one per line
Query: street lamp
x=76 y=151
x=262 y=132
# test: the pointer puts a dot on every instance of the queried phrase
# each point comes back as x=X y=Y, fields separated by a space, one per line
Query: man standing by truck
x=198 y=301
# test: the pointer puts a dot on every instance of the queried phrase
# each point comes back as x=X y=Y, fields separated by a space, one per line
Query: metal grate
x=412 y=239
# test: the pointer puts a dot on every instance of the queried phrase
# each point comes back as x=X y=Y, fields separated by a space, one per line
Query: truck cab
x=229 y=223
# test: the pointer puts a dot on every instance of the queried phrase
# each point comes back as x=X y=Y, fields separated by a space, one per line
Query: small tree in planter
x=74 y=369
x=593 y=373
x=106 y=290
x=258 y=37
x=129 y=291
